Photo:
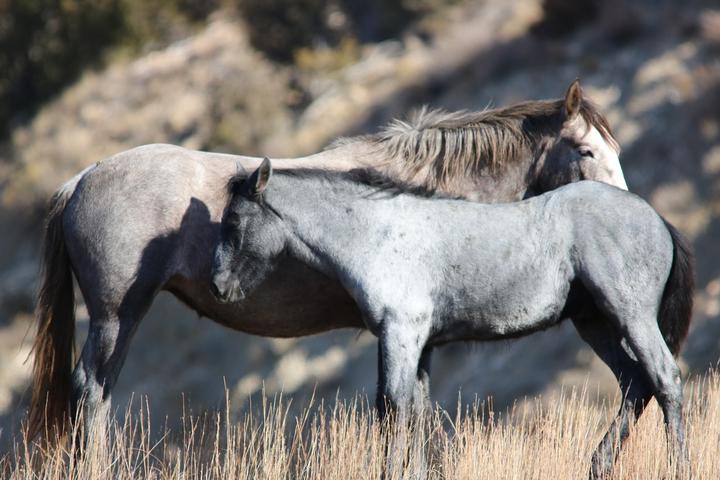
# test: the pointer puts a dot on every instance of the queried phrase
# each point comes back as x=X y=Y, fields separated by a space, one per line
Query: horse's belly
x=507 y=311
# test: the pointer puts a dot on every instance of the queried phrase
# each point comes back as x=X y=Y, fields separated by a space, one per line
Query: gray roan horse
x=428 y=271
x=148 y=219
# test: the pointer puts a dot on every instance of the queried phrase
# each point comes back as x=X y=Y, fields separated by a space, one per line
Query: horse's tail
x=677 y=300
x=55 y=312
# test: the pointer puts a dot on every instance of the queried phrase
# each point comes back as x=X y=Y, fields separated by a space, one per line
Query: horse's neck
x=326 y=216
x=323 y=217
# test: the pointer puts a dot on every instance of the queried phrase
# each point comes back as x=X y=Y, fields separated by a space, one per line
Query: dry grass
x=529 y=442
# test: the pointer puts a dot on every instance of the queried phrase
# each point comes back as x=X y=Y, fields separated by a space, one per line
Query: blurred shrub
x=561 y=17
x=150 y=24
x=328 y=60
x=197 y=9
x=281 y=28
x=46 y=43
x=375 y=20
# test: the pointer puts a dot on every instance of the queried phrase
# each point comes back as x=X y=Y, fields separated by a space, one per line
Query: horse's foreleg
x=402 y=390
x=421 y=400
x=403 y=381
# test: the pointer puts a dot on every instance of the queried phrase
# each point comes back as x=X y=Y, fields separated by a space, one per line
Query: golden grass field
x=531 y=441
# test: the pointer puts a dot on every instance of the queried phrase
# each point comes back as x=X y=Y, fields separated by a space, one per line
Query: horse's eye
x=585 y=152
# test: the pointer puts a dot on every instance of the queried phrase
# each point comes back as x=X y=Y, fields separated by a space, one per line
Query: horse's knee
x=397 y=393
x=401 y=384
x=673 y=375
x=668 y=384
x=402 y=342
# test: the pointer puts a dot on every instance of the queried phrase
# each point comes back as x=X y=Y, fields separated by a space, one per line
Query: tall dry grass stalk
x=531 y=441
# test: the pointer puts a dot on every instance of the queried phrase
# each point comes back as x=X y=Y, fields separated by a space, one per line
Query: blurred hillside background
x=83 y=79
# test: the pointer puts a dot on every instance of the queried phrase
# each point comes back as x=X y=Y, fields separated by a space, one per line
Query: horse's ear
x=573 y=100
x=259 y=179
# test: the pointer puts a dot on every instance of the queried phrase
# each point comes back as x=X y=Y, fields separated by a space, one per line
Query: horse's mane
x=364 y=176
x=439 y=149
x=436 y=151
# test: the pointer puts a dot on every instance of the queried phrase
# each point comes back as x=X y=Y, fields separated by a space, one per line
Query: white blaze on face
x=606 y=159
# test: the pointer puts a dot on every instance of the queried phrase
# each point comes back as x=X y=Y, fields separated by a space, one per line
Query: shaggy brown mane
x=438 y=148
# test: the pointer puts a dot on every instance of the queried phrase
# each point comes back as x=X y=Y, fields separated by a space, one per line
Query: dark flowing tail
x=54 y=343
x=677 y=300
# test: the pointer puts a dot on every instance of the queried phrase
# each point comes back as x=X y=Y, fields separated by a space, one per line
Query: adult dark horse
x=147 y=220
x=428 y=271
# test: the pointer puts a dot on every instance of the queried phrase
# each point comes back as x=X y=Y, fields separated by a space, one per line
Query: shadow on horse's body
x=314 y=302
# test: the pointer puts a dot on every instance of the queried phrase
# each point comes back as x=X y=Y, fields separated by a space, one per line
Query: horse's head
x=252 y=237
x=584 y=148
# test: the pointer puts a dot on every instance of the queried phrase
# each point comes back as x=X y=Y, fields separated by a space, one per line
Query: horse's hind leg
x=110 y=331
x=635 y=389
x=663 y=374
x=97 y=370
